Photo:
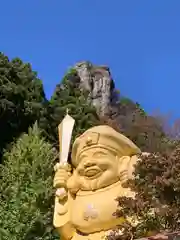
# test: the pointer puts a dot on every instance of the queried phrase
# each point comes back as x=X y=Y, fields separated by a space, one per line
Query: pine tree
x=26 y=200
x=21 y=98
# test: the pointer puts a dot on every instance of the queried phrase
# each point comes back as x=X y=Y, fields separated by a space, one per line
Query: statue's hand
x=62 y=174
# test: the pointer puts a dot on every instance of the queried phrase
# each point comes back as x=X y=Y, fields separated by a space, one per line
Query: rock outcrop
x=98 y=82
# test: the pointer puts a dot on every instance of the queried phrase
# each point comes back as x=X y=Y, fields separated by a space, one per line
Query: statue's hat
x=105 y=137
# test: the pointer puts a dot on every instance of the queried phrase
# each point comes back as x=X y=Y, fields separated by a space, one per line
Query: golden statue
x=102 y=160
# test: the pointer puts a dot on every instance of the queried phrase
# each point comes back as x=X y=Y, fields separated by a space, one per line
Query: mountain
x=97 y=80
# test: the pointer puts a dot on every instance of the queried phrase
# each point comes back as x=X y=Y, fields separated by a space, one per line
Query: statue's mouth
x=92 y=172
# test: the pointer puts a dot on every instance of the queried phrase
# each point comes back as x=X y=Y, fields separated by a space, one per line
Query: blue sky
x=138 y=39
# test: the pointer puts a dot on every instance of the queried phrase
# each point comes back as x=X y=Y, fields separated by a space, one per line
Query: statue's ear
x=123 y=168
x=126 y=167
x=123 y=162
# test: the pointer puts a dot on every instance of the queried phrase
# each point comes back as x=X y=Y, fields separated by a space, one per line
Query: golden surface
x=103 y=160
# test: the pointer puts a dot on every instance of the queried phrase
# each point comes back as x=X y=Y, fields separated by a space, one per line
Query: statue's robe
x=92 y=213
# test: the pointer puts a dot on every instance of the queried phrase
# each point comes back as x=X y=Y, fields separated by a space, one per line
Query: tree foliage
x=21 y=98
x=26 y=200
x=157 y=202
x=145 y=130
x=69 y=96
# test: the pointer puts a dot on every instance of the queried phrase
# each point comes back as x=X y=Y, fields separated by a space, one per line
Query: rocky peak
x=98 y=82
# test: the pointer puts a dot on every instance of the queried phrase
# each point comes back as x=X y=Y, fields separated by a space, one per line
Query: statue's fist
x=62 y=174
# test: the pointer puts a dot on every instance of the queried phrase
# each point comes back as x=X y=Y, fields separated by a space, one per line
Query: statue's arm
x=63 y=203
x=62 y=221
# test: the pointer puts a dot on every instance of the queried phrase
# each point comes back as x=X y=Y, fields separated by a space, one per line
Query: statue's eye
x=82 y=157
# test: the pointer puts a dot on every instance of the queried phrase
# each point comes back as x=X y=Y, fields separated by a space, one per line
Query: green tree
x=26 y=200
x=21 y=98
x=68 y=95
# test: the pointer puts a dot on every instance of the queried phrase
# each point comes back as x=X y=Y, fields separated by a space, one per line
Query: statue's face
x=97 y=168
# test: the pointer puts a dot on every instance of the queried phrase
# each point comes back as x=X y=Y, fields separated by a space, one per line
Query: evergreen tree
x=69 y=96
x=21 y=98
x=26 y=200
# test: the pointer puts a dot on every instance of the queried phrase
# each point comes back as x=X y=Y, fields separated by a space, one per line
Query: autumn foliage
x=157 y=202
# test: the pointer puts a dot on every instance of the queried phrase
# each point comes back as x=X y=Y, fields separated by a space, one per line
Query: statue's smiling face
x=97 y=168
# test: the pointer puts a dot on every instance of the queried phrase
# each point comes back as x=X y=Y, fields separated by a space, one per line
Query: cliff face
x=98 y=82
